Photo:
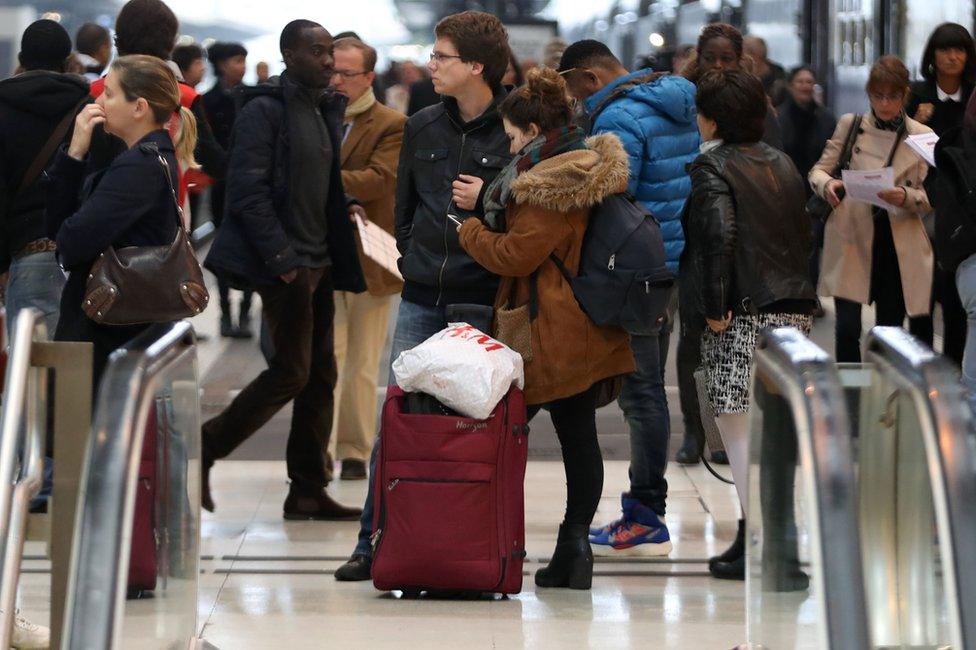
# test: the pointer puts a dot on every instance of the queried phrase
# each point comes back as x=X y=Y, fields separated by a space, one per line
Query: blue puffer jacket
x=654 y=116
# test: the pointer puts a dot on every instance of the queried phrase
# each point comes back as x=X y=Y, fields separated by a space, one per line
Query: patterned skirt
x=727 y=357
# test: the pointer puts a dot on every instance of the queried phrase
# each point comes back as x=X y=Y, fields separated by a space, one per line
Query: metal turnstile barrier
x=32 y=422
x=155 y=376
x=917 y=476
x=804 y=584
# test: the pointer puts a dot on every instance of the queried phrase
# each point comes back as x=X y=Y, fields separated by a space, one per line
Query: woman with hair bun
x=131 y=203
x=538 y=207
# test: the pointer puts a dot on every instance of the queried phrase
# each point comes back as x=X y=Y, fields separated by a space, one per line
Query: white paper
x=924 y=145
x=379 y=246
x=863 y=186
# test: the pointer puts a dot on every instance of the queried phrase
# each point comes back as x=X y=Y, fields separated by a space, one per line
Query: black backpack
x=623 y=279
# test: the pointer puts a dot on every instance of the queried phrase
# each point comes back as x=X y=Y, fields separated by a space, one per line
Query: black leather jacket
x=748 y=237
x=437 y=147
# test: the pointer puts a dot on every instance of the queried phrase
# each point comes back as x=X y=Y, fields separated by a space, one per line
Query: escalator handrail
x=948 y=428
x=21 y=462
x=807 y=378
x=103 y=524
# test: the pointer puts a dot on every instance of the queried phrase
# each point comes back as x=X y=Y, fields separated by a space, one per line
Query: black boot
x=206 y=501
x=572 y=562
x=735 y=551
x=690 y=452
x=226 y=324
x=243 y=330
x=734 y=570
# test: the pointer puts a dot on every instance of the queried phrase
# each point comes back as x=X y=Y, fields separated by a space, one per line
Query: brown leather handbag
x=147 y=284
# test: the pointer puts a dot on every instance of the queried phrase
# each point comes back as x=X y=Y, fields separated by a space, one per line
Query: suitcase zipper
x=395 y=482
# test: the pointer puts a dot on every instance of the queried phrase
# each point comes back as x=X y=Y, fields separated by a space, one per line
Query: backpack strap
x=52 y=144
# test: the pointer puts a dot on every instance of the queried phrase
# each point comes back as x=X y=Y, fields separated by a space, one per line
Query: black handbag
x=147 y=284
x=818 y=207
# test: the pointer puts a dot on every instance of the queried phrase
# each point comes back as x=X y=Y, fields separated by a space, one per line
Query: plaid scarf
x=889 y=125
x=547 y=145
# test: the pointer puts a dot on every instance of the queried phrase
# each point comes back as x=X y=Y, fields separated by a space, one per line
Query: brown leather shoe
x=353 y=470
x=318 y=506
x=206 y=501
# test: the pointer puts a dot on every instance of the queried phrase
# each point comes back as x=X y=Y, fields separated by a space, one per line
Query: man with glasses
x=372 y=135
x=654 y=116
x=450 y=150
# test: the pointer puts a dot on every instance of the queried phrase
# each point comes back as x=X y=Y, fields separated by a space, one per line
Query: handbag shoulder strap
x=52 y=144
x=151 y=148
x=845 y=157
x=894 y=148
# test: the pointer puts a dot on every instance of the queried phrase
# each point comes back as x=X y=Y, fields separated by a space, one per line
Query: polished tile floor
x=268 y=583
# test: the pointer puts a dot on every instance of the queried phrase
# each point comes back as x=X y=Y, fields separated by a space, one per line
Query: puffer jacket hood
x=42 y=93
x=655 y=117
x=669 y=95
x=575 y=179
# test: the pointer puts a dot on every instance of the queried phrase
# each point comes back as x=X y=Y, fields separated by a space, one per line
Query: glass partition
x=803 y=582
x=917 y=472
x=148 y=395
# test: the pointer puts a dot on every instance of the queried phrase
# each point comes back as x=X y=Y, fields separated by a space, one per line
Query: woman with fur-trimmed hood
x=538 y=207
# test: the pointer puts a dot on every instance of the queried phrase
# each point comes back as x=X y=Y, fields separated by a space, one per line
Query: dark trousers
x=303 y=369
x=886 y=294
x=574 y=419
x=689 y=359
x=954 y=317
x=224 y=289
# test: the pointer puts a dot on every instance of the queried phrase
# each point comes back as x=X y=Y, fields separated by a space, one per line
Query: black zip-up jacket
x=437 y=147
x=253 y=246
x=31 y=107
x=748 y=237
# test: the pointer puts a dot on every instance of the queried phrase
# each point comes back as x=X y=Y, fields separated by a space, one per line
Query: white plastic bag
x=463 y=368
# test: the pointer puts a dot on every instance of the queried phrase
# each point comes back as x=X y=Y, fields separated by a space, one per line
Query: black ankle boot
x=206 y=500
x=734 y=570
x=690 y=452
x=226 y=324
x=572 y=562
x=243 y=330
x=734 y=552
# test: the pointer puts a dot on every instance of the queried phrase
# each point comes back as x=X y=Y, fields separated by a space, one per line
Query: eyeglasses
x=878 y=97
x=345 y=74
x=440 y=58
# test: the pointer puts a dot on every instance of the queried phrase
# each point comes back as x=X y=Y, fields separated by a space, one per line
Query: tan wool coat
x=369 y=167
x=548 y=214
x=846 y=270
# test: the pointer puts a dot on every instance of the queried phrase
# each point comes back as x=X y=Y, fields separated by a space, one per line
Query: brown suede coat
x=548 y=214
x=369 y=167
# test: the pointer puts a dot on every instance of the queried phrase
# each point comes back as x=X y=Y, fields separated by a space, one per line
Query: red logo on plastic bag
x=467 y=332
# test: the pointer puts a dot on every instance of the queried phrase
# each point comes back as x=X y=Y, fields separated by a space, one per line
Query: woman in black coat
x=806 y=126
x=130 y=203
x=939 y=100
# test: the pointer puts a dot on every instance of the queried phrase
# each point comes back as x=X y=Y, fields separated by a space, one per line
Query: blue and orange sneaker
x=639 y=533
x=627 y=505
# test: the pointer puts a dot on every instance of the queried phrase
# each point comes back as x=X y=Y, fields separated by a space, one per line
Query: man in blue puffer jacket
x=654 y=115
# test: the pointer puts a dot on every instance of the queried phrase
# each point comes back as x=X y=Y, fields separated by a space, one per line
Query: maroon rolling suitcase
x=143 y=560
x=449 y=511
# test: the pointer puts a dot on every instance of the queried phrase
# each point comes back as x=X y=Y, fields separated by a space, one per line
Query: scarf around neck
x=889 y=125
x=360 y=106
x=547 y=145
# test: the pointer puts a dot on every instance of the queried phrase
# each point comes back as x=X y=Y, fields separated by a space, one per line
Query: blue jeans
x=35 y=281
x=966 y=284
x=414 y=325
x=645 y=407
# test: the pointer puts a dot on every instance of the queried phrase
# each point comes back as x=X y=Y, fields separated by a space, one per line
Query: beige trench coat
x=846 y=270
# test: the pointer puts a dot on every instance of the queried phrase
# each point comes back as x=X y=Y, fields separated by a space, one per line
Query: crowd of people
x=484 y=170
